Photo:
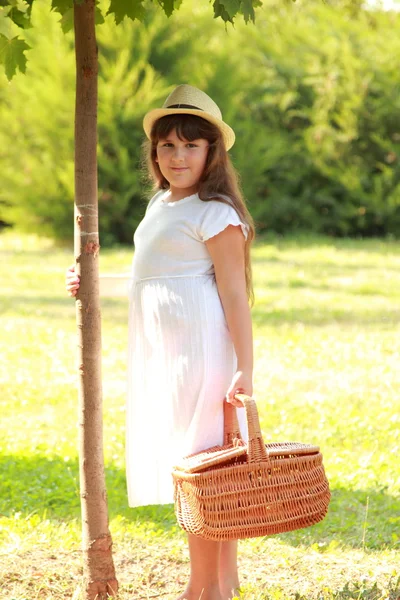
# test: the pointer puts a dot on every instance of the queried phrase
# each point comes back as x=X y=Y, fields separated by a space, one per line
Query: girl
x=190 y=334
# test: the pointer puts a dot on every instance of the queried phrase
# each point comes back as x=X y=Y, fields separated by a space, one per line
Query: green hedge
x=312 y=92
x=328 y=109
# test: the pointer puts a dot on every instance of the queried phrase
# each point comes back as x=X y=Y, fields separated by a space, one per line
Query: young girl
x=190 y=334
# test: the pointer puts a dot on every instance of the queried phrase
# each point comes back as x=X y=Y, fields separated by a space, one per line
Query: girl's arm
x=227 y=253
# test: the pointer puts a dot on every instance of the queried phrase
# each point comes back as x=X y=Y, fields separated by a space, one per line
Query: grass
x=327 y=349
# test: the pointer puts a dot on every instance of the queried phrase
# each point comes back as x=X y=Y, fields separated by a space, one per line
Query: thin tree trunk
x=99 y=572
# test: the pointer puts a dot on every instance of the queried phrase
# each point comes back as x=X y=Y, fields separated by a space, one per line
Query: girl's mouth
x=178 y=169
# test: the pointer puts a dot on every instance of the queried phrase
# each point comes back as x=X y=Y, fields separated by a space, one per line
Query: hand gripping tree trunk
x=99 y=573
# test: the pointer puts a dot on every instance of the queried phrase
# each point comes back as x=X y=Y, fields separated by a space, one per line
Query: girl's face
x=182 y=163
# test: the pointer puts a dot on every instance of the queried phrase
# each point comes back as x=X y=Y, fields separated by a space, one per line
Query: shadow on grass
x=116 y=312
x=304 y=239
x=361 y=590
x=59 y=308
x=319 y=266
x=322 y=315
x=50 y=487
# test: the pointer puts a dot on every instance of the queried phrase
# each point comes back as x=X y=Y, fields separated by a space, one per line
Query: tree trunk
x=99 y=572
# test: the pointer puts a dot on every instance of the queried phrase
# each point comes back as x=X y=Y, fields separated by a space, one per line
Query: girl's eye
x=191 y=145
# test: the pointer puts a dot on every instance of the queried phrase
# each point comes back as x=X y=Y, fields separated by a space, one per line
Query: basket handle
x=256 y=451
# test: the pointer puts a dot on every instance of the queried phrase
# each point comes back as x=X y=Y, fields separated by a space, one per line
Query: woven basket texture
x=240 y=491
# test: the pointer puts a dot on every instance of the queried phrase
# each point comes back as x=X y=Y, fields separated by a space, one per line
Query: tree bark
x=99 y=572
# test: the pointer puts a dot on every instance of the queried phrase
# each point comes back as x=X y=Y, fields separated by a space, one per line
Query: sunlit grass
x=327 y=345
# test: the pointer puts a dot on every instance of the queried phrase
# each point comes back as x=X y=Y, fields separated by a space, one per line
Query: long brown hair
x=219 y=180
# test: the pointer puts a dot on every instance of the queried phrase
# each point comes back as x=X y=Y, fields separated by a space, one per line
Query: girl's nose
x=178 y=154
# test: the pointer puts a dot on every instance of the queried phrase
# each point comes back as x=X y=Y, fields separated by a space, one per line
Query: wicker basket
x=239 y=491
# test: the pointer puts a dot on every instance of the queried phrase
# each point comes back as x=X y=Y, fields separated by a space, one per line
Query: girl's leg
x=228 y=570
x=204 y=570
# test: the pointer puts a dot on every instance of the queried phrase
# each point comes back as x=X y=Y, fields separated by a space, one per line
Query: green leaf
x=19 y=12
x=229 y=9
x=22 y=5
x=167 y=6
x=12 y=55
x=98 y=16
x=67 y=20
x=219 y=11
x=248 y=9
x=126 y=8
x=232 y=7
x=62 y=6
x=7 y=26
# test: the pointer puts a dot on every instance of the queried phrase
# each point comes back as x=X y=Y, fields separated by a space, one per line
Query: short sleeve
x=217 y=217
x=153 y=200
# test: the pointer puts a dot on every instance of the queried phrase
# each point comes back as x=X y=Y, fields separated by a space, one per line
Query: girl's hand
x=71 y=281
x=241 y=384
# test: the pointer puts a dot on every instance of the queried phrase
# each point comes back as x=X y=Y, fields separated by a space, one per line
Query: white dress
x=180 y=355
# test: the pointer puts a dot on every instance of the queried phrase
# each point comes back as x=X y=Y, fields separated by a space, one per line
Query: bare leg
x=228 y=570
x=204 y=570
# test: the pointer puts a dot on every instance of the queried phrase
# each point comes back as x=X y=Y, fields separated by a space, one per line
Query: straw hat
x=188 y=100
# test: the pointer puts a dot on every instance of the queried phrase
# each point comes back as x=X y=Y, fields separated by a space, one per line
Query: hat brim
x=153 y=116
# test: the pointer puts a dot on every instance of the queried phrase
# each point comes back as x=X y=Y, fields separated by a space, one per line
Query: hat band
x=184 y=106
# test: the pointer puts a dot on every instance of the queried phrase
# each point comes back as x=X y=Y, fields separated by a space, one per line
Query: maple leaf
x=62 y=6
x=132 y=9
x=12 y=55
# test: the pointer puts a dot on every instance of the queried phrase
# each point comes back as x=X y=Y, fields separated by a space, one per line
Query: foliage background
x=312 y=91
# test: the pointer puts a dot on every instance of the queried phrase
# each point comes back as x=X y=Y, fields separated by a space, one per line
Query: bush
x=36 y=135
x=324 y=118
x=36 y=131
x=311 y=91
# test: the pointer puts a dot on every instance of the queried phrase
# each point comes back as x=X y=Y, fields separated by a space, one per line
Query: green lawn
x=327 y=346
